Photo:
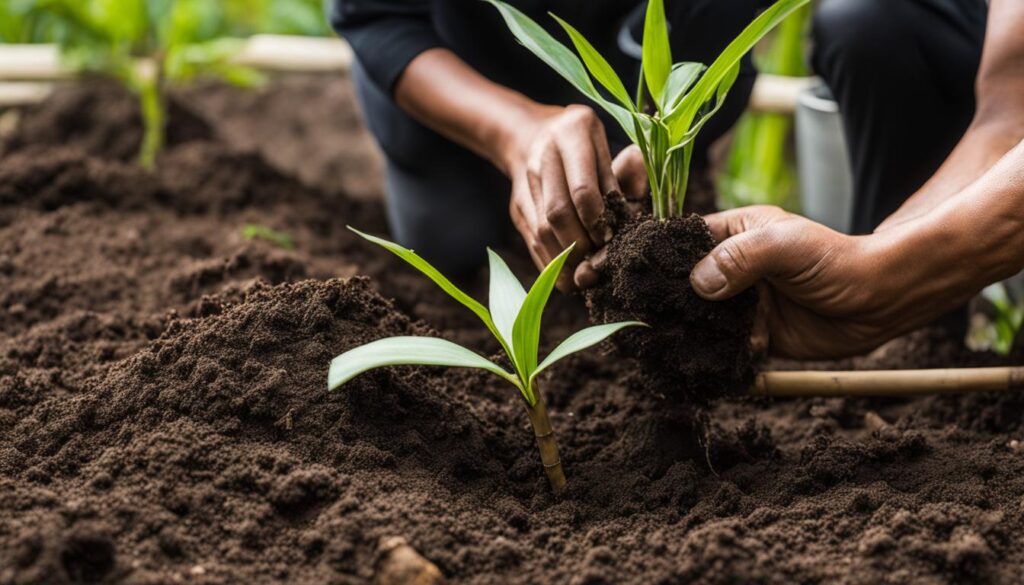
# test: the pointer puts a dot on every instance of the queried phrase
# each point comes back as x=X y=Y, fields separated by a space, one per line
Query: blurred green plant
x=283 y=17
x=22 y=22
x=147 y=44
x=760 y=165
x=255 y=231
x=1003 y=315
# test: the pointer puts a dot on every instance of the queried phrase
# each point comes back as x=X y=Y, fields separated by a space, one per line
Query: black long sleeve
x=384 y=34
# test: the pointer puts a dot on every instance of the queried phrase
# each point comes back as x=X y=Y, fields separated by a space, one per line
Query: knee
x=857 y=32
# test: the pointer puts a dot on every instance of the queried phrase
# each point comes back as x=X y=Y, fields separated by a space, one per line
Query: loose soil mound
x=164 y=416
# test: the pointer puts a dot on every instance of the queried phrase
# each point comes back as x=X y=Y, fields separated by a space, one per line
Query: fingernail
x=706 y=278
x=608 y=234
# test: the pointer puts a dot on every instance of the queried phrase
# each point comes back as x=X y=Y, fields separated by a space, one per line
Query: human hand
x=824 y=294
x=561 y=171
x=629 y=171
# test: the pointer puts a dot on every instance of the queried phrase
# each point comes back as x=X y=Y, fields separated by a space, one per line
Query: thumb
x=739 y=262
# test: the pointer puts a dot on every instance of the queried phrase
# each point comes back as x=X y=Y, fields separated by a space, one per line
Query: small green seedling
x=280 y=239
x=1006 y=319
x=514 y=318
x=146 y=44
x=684 y=95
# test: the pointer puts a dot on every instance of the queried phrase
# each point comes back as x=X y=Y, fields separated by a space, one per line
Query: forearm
x=447 y=95
x=998 y=123
x=940 y=259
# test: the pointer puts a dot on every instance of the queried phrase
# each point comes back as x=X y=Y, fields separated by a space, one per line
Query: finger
x=588 y=272
x=741 y=260
x=528 y=231
x=579 y=161
x=628 y=167
x=559 y=210
x=605 y=173
x=726 y=224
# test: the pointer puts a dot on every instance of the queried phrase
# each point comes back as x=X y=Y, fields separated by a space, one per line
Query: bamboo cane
x=888 y=382
x=546 y=444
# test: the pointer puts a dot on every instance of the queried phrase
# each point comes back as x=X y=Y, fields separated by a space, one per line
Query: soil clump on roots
x=695 y=350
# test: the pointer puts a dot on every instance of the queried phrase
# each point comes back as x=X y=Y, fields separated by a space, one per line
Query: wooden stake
x=546 y=444
x=888 y=382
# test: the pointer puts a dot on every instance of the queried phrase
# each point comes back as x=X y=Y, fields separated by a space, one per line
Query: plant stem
x=546 y=443
x=149 y=81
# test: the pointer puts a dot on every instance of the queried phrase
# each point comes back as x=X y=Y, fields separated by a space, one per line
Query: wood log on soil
x=400 y=564
x=888 y=382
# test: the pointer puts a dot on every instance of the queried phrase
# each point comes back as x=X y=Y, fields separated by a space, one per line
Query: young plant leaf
x=557 y=56
x=407 y=351
x=597 y=65
x=526 y=331
x=680 y=79
x=434 y=274
x=727 y=60
x=582 y=340
x=506 y=296
x=657 y=55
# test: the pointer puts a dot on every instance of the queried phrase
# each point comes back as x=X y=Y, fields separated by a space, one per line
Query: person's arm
x=385 y=35
x=998 y=122
x=556 y=157
x=829 y=294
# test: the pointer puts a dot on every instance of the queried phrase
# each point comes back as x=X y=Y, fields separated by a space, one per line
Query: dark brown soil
x=164 y=415
x=694 y=349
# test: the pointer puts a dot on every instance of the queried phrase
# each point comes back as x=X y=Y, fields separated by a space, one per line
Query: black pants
x=903 y=73
x=449 y=204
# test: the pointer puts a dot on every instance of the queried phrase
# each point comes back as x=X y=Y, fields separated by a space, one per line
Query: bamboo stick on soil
x=42 y=62
x=888 y=382
x=546 y=444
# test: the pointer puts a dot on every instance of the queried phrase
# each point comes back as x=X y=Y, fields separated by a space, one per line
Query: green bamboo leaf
x=727 y=60
x=506 y=297
x=723 y=90
x=598 y=66
x=680 y=79
x=434 y=274
x=407 y=351
x=657 y=55
x=526 y=331
x=557 y=56
x=582 y=340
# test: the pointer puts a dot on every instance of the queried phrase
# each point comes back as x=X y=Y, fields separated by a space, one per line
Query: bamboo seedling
x=683 y=96
x=513 y=317
x=146 y=45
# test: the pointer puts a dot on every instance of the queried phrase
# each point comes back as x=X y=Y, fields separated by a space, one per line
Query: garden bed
x=164 y=413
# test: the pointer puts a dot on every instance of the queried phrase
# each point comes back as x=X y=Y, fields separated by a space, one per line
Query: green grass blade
x=526 y=331
x=727 y=60
x=506 y=297
x=434 y=274
x=598 y=66
x=407 y=351
x=657 y=55
x=560 y=58
x=582 y=340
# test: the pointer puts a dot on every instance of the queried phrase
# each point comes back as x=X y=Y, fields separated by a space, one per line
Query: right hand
x=561 y=170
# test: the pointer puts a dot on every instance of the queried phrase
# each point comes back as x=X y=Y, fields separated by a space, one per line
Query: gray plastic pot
x=826 y=184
